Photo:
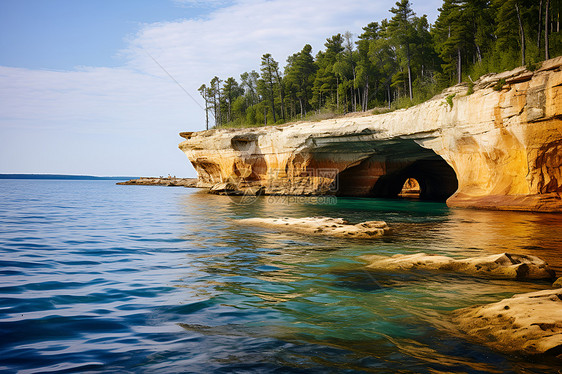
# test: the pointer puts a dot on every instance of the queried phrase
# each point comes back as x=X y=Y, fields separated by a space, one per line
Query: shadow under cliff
x=383 y=174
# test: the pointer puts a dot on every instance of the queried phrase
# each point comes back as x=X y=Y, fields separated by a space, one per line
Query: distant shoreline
x=162 y=181
x=60 y=177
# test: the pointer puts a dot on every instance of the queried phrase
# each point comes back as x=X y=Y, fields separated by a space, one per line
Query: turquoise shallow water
x=103 y=278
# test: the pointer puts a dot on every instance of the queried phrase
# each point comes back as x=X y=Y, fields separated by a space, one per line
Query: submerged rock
x=503 y=265
x=337 y=227
x=529 y=323
x=557 y=283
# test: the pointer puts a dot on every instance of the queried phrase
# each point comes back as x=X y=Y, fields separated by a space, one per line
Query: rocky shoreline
x=496 y=145
x=528 y=324
x=162 y=181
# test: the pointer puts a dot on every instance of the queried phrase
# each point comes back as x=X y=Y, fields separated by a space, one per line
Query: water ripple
x=104 y=278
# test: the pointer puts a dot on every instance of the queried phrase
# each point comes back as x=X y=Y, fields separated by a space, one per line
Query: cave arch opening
x=436 y=179
x=410 y=189
x=384 y=175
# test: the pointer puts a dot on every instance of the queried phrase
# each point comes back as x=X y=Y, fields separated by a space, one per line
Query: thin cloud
x=136 y=110
x=202 y=3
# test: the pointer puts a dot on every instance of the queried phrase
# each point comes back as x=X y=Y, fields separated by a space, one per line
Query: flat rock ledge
x=502 y=266
x=162 y=181
x=529 y=323
x=324 y=226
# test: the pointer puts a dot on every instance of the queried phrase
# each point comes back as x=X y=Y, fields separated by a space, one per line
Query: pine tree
x=205 y=94
x=382 y=57
x=392 y=59
x=249 y=82
x=453 y=37
x=546 y=29
x=366 y=70
x=402 y=33
x=507 y=32
x=215 y=94
x=231 y=90
x=269 y=68
x=300 y=74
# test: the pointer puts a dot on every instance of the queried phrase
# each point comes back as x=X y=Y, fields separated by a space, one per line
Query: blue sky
x=63 y=34
x=79 y=93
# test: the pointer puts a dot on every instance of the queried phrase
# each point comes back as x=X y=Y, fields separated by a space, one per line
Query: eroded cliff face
x=495 y=148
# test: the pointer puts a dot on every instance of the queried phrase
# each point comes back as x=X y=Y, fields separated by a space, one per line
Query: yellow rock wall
x=504 y=145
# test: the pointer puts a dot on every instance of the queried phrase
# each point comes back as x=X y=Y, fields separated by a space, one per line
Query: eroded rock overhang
x=495 y=148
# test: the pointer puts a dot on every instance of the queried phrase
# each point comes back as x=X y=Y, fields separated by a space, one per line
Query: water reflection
x=515 y=232
x=416 y=225
x=314 y=292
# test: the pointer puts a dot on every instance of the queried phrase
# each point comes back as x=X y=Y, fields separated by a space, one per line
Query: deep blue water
x=103 y=278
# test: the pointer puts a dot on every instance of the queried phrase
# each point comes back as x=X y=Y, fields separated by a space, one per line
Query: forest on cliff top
x=394 y=63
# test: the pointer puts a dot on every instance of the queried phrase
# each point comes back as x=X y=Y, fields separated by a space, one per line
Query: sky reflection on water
x=116 y=278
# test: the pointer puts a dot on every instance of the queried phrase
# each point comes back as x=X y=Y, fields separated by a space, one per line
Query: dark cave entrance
x=436 y=179
x=384 y=174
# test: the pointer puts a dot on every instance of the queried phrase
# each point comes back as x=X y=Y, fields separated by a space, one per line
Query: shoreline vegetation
x=395 y=63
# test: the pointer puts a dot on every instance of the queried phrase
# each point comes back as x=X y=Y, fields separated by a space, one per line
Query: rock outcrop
x=499 y=147
x=162 y=181
x=529 y=323
x=503 y=265
x=326 y=226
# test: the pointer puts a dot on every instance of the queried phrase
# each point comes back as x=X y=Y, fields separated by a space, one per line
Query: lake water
x=103 y=278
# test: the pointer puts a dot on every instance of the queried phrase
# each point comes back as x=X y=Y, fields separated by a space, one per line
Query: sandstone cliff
x=499 y=148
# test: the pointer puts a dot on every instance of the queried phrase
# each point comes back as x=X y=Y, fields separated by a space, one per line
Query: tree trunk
x=405 y=83
x=352 y=97
x=353 y=102
x=540 y=25
x=409 y=73
x=273 y=107
x=283 y=108
x=281 y=94
x=521 y=34
x=228 y=113
x=389 y=98
x=300 y=102
x=215 y=109
x=272 y=96
x=366 y=96
x=219 y=106
x=478 y=53
x=546 y=54
x=459 y=66
x=207 y=108
x=205 y=97
x=337 y=94
x=558 y=18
